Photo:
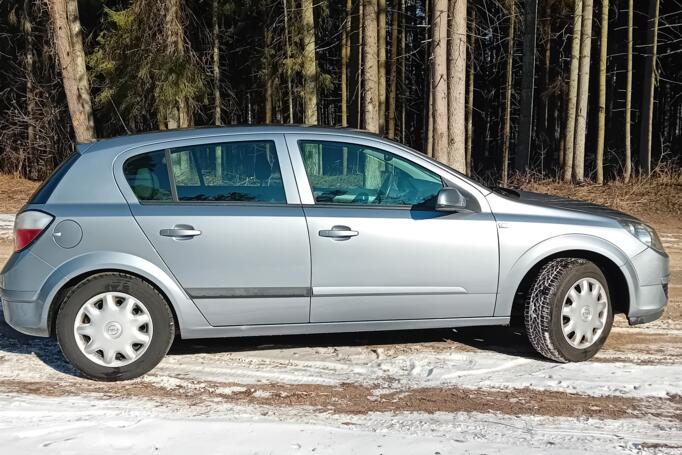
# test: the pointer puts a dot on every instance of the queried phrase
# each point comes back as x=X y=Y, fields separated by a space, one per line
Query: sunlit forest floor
x=14 y=192
x=656 y=200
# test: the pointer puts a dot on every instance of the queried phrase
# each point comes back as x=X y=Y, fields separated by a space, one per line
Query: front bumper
x=649 y=295
x=25 y=316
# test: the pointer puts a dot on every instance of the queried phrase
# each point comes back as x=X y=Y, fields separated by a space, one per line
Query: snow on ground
x=54 y=412
x=427 y=368
x=6 y=226
x=104 y=426
x=393 y=365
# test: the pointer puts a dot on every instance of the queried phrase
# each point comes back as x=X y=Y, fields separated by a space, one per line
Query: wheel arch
x=608 y=257
x=68 y=274
x=58 y=299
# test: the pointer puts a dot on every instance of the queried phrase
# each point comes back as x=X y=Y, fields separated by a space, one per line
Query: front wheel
x=568 y=313
x=114 y=326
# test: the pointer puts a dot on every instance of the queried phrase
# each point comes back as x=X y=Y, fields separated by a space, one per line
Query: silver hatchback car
x=243 y=231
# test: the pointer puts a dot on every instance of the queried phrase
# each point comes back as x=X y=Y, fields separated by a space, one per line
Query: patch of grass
x=14 y=192
x=653 y=197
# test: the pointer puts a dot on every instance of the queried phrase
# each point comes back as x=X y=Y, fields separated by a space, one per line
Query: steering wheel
x=385 y=188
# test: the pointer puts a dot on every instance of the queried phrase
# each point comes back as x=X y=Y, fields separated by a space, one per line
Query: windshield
x=485 y=189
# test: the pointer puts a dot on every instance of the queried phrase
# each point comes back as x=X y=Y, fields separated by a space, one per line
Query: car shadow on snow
x=503 y=340
x=45 y=349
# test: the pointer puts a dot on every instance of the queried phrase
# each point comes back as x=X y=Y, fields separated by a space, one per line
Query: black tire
x=545 y=299
x=155 y=303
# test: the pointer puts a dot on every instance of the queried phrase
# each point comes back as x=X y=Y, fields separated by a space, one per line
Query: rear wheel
x=568 y=313
x=114 y=326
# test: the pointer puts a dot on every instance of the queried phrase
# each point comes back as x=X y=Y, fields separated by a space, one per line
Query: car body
x=292 y=251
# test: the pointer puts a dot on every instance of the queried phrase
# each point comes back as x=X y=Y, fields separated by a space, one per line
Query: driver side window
x=342 y=173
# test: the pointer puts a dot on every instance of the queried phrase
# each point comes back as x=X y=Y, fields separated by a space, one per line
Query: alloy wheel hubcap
x=584 y=312
x=113 y=329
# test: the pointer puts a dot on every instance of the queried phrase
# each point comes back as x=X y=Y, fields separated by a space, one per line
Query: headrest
x=145 y=183
x=262 y=170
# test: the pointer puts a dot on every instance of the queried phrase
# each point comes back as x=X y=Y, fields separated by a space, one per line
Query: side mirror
x=450 y=200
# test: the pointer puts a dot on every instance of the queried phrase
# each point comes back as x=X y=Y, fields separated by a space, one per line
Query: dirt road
x=441 y=391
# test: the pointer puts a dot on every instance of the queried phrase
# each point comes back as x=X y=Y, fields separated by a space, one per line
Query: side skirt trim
x=337 y=327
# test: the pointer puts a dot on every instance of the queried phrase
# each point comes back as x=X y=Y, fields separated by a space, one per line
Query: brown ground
x=655 y=200
x=14 y=192
x=359 y=399
x=6 y=248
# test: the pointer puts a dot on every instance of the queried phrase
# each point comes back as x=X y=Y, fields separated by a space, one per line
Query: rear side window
x=147 y=175
x=44 y=191
x=231 y=172
x=223 y=172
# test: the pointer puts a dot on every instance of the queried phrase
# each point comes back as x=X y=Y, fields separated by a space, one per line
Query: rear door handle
x=180 y=231
x=338 y=232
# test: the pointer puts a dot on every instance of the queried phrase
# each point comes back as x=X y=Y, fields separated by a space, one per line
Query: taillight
x=28 y=226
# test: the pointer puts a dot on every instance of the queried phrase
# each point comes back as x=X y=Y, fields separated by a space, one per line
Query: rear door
x=380 y=250
x=224 y=215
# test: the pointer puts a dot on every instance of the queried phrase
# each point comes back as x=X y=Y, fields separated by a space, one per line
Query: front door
x=218 y=215
x=379 y=249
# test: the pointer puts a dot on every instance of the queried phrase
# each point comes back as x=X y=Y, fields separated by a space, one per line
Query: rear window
x=44 y=191
x=222 y=172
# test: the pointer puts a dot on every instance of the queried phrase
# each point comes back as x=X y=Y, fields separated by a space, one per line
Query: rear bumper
x=25 y=316
x=22 y=304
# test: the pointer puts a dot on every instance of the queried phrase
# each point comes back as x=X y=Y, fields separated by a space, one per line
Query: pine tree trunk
x=381 y=33
x=583 y=92
x=268 y=76
x=429 y=122
x=602 y=90
x=547 y=65
x=569 y=130
x=394 y=74
x=525 y=126
x=361 y=52
x=428 y=80
x=628 y=100
x=370 y=68
x=27 y=29
x=403 y=86
x=309 y=64
x=290 y=95
x=345 y=56
x=645 y=131
x=68 y=40
x=439 y=80
x=217 y=115
x=176 y=115
x=456 y=76
x=509 y=87
x=470 y=95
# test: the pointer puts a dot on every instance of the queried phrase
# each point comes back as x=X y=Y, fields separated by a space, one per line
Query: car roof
x=133 y=140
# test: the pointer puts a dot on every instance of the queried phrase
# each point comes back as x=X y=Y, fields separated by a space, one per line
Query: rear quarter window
x=45 y=190
x=147 y=176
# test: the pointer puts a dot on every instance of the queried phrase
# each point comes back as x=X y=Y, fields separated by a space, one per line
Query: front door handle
x=338 y=233
x=180 y=231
